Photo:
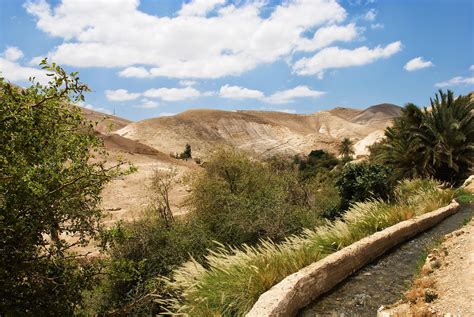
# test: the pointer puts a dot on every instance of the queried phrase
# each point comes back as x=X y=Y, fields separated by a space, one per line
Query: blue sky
x=158 y=57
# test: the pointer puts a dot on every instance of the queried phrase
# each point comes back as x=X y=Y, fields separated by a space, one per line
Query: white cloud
x=166 y=114
x=137 y=72
x=287 y=96
x=377 y=26
x=12 y=54
x=417 y=63
x=120 y=95
x=92 y=107
x=236 y=38
x=14 y=72
x=148 y=104
x=199 y=7
x=172 y=94
x=292 y=111
x=370 y=15
x=187 y=82
x=456 y=81
x=335 y=57
x=236 y=92
x=328 y=35
x=471 y=67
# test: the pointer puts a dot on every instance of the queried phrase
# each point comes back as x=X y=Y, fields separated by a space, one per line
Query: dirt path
x=446 y=284
x=454 y=280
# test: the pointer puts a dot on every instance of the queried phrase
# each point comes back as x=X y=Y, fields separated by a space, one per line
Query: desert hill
x=264 y=133
x=377 y=114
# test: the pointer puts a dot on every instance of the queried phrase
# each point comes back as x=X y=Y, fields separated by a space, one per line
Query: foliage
x=359 y=182
x=317 y=161
x=241 y=200
x=234 y=278
x=436 y=142
x=139 y=251
x=52 y=171
x=346 y=149
x=186 y=153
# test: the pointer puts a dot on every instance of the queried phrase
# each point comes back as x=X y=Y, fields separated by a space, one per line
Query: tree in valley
x=346 y=149
x=52 y=171
x=186 y=153
x=162 y=182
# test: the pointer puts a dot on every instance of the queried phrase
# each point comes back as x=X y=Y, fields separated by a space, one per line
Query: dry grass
x=234 y=278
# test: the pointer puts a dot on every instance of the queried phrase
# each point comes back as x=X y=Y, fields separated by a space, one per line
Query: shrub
x=139 y=251
x=241 y=200
x=359 y=182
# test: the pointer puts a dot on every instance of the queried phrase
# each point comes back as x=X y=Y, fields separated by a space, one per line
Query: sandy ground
x=446 y=284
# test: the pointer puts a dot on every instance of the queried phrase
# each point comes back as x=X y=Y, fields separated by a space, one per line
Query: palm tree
x=436 y=142
x=346 y=149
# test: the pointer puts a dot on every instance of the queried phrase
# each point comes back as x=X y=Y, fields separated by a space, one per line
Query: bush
x=242 y=201
x=137 y=253
x=359 y=182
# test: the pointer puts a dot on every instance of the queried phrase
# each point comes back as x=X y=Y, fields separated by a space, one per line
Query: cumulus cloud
x=327 y=35
x=11 y=70
x=471 y=67
x=92 y=107
x=235 y=38
x=120 y=95
x=147 y=104
x=236 y=92
x=12 y=53
x=279 y=97
x=417 y=63
x=288 y=96
x=456 y=81
x=172 y=94
x=335 y=57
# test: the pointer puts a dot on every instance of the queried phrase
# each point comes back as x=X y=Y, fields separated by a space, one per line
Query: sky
x=152 y=58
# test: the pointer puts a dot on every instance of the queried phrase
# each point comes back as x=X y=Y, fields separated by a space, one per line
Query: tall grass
x=234 y=278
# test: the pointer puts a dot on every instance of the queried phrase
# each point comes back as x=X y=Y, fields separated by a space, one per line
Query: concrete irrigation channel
x=342 y=284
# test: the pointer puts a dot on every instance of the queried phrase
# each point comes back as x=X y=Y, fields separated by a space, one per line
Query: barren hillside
x=264 y=133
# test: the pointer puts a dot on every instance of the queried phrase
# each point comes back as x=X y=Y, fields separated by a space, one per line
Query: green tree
x=362 y=181
x=346 y=149
x=186 y=153
x=51 y=175
x=436 y=142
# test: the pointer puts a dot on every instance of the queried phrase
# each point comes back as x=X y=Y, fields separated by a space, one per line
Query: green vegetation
x=464 y=197
x=359 y=182
x=52 y=171
x=186 y=153
x=233 y=278
x=241 y=200
x=346 y=149
x=436 y=142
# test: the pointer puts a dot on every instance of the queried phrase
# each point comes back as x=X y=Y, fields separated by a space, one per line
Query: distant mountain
x=263 y=133
x=377 y=113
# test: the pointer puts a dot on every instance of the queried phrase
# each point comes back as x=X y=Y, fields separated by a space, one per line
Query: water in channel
x=385 y=280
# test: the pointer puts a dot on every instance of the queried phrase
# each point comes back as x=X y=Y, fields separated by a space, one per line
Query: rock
x=430 y=295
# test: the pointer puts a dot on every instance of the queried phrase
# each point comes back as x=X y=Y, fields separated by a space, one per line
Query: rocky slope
x=264 y=133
